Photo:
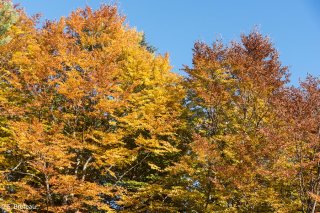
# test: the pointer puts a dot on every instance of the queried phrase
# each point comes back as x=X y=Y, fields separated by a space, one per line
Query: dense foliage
x=92 y=119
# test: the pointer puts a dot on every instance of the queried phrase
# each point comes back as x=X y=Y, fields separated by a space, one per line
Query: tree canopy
x=93 y=119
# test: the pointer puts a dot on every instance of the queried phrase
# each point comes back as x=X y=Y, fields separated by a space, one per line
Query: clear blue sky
x=174 y=25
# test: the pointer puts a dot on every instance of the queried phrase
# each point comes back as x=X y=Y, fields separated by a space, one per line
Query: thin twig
x=126 y=172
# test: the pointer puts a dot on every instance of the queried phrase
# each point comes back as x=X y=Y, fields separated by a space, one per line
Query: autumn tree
x=231 y=93
x=299 y=109
x=91 y=112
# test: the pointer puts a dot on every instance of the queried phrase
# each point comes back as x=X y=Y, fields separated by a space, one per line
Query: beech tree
x=90 y=112
x=300 y=111
x=229 y=164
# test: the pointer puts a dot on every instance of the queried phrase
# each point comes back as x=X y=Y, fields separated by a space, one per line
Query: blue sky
x=173 y=26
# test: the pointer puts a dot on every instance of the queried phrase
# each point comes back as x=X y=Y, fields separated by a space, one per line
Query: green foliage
x=8 y=16
x=145 y=44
